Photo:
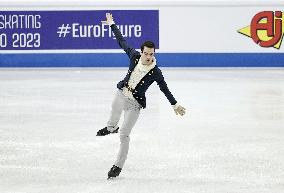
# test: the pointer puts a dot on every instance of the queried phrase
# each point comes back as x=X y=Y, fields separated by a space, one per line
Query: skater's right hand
x=109 y=19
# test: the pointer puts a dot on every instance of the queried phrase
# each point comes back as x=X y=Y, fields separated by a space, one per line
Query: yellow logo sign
x=266 y=29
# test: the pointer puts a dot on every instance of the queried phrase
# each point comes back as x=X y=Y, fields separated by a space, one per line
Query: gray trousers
x=131 y=110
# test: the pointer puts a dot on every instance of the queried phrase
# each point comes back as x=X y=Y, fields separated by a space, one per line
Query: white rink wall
x=185 y=28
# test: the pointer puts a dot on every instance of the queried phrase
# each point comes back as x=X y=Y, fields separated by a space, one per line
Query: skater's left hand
x=180 y=110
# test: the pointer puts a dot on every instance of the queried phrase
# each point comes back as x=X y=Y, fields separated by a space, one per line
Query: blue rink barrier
x=163 y=60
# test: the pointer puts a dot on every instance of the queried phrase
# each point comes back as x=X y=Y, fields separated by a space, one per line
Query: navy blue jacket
x=153 y=75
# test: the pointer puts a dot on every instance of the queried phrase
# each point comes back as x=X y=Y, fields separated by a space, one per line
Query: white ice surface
x=230 y=141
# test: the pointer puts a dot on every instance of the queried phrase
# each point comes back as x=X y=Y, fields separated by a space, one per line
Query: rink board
x=193 y=35
x=164 y=59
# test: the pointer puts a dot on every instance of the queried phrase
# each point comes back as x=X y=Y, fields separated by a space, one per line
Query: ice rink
x=230 y=141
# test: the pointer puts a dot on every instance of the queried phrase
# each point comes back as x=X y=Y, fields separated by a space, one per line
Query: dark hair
x=148 y=44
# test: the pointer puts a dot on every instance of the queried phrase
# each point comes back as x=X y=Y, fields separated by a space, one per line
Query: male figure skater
x=130 y=96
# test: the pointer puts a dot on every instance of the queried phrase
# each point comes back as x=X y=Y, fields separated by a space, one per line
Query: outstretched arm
x=121 y=41
x=179 y=110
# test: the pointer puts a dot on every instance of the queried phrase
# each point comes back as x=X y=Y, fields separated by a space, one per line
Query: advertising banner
x=59 y=30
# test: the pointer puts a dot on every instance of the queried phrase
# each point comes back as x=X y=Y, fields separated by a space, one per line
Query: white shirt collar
x=146 y=67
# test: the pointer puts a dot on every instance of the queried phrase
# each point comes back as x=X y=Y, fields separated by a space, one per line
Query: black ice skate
x=104 y=131
x=114 y=172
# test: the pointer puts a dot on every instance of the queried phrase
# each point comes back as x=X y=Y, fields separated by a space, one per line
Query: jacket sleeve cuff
x=110 y=24
x=175 y=106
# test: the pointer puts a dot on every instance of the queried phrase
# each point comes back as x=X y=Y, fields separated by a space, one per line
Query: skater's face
x=147 y=55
